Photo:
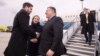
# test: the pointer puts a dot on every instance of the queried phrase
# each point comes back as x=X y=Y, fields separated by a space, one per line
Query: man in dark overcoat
x=17 y=45
x=87 y=23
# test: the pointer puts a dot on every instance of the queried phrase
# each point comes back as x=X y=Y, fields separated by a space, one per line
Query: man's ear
x=26 y=7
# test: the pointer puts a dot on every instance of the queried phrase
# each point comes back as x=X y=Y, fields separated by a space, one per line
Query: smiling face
x=36 y=19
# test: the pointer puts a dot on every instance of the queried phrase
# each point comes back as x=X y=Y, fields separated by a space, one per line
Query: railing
x=71 y=30
x=97 y=47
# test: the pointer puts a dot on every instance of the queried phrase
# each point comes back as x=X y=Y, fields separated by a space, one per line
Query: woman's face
x=36 y=20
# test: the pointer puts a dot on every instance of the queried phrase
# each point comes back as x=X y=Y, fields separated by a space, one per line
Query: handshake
x=35 y=40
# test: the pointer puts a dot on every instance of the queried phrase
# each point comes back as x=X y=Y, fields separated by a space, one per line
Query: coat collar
x=23 y=11
x=52 y=18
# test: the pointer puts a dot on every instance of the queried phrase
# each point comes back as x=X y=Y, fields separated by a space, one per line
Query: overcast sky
x=9 y=8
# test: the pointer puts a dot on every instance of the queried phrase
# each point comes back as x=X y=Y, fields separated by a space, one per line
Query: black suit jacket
x=20 y=33
x=52 y=36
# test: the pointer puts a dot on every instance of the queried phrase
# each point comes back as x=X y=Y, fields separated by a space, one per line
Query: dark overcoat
x=33 y=47
x=91 y=20
x=21 y=31
x=51 y=37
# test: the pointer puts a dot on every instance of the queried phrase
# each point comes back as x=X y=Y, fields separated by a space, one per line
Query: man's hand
x=38 y=34
x=49 y=53
x=34 y=40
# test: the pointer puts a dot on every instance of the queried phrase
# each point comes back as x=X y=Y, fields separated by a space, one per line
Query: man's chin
x=47 y=17
x=29 y=13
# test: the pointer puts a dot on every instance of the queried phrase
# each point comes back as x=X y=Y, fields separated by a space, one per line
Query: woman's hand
x=49 y=53
x=38 y=34
x=34 y=40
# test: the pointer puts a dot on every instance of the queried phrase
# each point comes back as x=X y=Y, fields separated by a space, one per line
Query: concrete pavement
x=4 y=39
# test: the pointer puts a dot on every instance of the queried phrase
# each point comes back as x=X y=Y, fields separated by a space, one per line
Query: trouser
x=88 y=36
x=97 y=54
x=33 y=49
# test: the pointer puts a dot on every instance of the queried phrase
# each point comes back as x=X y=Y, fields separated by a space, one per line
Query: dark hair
x=27 y=4
x=53 y=8
x=93 y=12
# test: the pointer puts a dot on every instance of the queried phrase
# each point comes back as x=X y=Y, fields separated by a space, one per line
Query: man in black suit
x=51 y=38
x=17 y=45
x=87 y=23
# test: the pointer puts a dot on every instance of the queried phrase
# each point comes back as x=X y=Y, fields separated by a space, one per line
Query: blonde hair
x=35 y=16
